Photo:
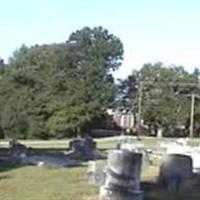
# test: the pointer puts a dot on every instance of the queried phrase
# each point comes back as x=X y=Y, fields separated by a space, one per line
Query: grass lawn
x=105 y=143
x=38 y=183
x=41 y=183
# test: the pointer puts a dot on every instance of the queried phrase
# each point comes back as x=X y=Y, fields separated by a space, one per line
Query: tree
x=57 y=90
x=91 y=56
x=128 y=92
x=165 y=94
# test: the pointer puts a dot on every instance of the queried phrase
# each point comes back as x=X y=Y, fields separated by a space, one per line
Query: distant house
x=123 y=119
x=118 y=121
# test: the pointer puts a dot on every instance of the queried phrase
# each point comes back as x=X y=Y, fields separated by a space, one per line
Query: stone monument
x=174 y=169
x=85 y=148
x=17 y=152
x=122 y=176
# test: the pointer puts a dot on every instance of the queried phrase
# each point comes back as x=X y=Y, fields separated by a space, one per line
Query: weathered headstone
x=174 y=169
x=96 y=172
x=86 y=148
x=138 y=148
x=160 y=133
x=122 y=176
x=91 y=171
x=17 y=151
x=195 y=155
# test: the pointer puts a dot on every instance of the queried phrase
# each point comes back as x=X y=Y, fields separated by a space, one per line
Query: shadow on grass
x=153 y=192
x=148 y=186
x=150 y=189
x=4 y=177
x=5 y=163
x=4 y=167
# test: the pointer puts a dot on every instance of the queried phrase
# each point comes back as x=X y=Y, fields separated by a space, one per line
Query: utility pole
x=193 y=97
x=192 y=115
x=139 y=104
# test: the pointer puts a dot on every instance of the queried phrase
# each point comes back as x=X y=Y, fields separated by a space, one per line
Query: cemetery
x=100 y=100
x=117 y=168
x=71 y=130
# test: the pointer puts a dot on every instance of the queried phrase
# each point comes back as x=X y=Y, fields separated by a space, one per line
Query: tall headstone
x=17 y=151
x=86 y=147
x=174 y=169
x=122 y=176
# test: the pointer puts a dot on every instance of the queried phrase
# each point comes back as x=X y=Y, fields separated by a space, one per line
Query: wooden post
x=140 y=104
x=192 y=115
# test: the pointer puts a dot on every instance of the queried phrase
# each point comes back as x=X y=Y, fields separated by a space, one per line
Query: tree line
x=64 y=89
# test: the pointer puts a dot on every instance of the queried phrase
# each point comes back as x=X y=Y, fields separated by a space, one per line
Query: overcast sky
x=151 y=30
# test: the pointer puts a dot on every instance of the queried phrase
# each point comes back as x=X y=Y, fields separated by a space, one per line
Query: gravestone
x=91 y=171
x=195 y=155
x=122 y=176
x=174 y=169
x=85 y=148
x=96 y=172
x=138 y=148
x=17 y=152
x=160 y=133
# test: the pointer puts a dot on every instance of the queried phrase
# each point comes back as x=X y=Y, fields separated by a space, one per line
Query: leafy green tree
x=91 y=56
x=57 y=90
x=165 y=93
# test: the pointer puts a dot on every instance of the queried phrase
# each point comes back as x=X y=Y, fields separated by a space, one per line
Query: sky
x=165 y=31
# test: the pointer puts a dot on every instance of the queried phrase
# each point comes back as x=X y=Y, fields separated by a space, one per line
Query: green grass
x=53 y=144
x=105 y=143
x=35 y=183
